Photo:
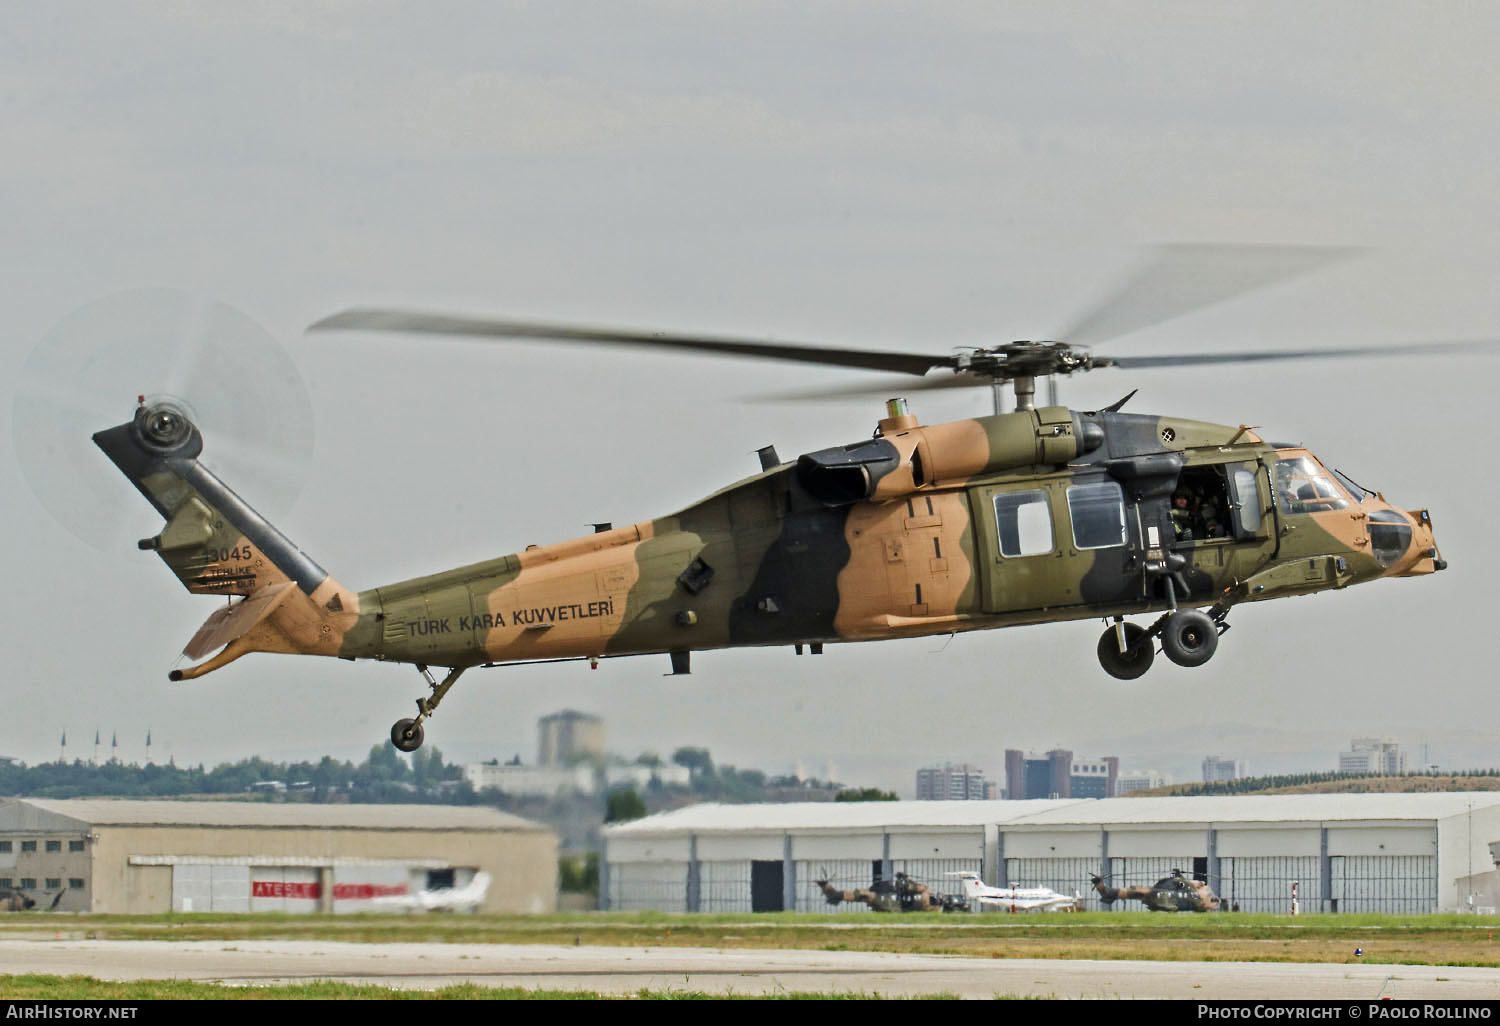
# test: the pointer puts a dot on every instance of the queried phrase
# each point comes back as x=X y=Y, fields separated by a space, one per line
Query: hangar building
x=123 y=856
x=1395 y=853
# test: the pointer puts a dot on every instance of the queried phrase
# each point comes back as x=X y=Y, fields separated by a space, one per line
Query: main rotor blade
x=1181 y=279
x=364 y=319
x=900 y=386
x=1477 y=346
x=888 y=387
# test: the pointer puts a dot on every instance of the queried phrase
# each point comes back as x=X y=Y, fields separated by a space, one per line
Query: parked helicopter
x=903 y=894
x=1033 y=516
x=16 y=900
x=1175 y=893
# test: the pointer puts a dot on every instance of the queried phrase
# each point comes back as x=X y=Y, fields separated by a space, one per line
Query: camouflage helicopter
x=16 y=900
x=1036 y=515
x=903 y=894
x=1175 y=893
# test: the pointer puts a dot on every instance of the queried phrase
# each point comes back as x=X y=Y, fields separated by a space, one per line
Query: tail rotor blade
x=245 y=394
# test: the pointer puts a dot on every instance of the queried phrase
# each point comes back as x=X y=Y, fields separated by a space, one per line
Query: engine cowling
x=904 y=456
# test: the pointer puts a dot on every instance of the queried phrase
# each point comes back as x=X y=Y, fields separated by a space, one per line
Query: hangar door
x=638 y=886
x=1263 y=883
x=1384 y=883
x=202 y=887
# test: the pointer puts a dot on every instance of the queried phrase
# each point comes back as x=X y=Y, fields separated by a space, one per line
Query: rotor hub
x=1026 y=359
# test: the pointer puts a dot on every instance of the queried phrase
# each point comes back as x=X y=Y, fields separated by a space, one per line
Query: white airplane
x=984 y=898
x=467 y=898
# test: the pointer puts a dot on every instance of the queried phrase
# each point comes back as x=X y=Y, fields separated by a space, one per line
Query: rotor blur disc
x=226 y=372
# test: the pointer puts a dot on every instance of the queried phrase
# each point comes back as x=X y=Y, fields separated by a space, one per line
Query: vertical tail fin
x=217 y=545
x=213 y=541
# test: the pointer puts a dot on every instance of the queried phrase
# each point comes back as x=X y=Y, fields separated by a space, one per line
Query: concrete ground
x=614 y=970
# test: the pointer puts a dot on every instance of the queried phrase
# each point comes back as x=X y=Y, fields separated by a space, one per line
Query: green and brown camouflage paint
x=895 y=536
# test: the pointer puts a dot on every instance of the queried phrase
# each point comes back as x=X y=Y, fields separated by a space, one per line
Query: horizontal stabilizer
x=231 y=622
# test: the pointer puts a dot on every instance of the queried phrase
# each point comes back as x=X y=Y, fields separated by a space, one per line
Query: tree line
x=1251 y=785
x=383 y=777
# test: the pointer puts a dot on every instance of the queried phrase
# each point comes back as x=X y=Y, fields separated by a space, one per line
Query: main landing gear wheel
x=1189 y=637
x=407 y=735
x=1137 y=657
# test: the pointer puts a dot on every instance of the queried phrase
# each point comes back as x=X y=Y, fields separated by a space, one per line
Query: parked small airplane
x=984 y=898
x=467 y=898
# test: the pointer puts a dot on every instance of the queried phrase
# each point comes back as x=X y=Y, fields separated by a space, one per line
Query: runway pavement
x=614 y=970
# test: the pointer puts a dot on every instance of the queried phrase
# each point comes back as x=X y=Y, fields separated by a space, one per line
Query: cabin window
x=1098 y=512
x=1024 y=522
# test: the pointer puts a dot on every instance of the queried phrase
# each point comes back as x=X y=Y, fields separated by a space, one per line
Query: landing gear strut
x=406 y=734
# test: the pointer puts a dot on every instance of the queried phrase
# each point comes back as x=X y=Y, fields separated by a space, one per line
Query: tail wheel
x=407 y=735
x=1189 y=637
x=1135 y=660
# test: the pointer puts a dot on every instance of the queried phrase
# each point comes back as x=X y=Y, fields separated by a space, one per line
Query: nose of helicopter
x=1421 y=556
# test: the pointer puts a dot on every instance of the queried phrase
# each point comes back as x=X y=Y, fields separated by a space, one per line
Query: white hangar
x=1396 y=853
x=125 y=856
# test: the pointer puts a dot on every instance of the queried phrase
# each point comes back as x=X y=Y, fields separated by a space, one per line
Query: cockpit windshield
x=1359 y=491
x=1302 y=486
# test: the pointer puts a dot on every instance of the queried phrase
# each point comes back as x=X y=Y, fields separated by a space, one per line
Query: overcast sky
x=914 y=176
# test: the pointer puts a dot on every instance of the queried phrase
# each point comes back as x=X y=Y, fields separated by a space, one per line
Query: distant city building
x=1094 y=778
x=1057 y=774
x=1037 y=776
x=1216 y=769
x=568 y=737
x=953 y=783
x=1141 y=780
x=641 y=777
x=1377 y=756
x=537 y=781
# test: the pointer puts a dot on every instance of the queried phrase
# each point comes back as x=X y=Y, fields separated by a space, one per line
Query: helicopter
x=16 y=900
x=1036 y=515
x=1175 y=893
x=903 y=894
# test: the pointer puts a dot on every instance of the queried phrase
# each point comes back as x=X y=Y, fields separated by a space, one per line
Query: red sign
x=364 y=892
x=278 y=889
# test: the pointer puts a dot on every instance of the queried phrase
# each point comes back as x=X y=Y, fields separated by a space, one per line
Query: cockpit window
x=1359 y=492
x=1390 y=536
x=1304 y=487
